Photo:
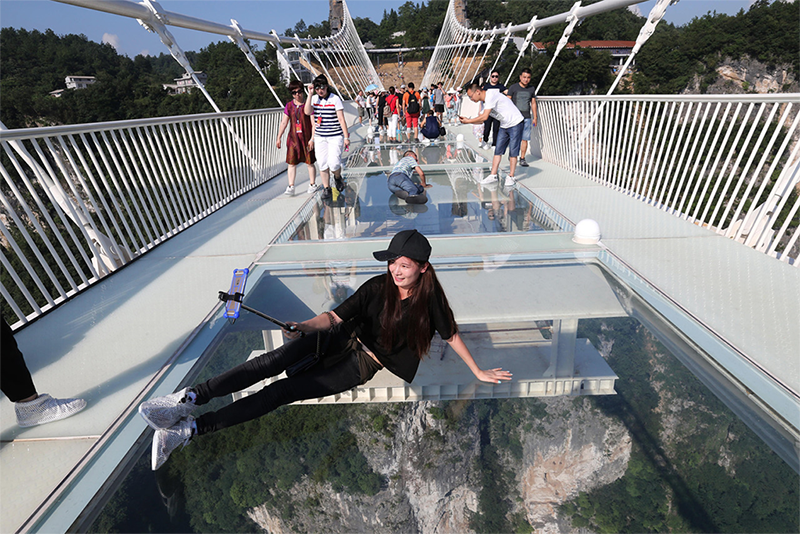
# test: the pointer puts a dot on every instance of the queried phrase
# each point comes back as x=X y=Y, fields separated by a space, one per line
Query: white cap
x=587 y=232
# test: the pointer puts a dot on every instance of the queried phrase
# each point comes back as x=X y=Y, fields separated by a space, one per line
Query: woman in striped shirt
x=330 y=132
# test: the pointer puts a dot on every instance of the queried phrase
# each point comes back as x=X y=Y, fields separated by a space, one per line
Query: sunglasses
x=494 y=76
x=297 y=92
x=320 y=87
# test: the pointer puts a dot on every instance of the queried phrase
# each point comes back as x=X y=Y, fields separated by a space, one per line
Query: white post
x=572 y=21
x=239 y=40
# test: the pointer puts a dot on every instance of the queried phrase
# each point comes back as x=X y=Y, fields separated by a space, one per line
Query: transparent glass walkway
x=505 y=256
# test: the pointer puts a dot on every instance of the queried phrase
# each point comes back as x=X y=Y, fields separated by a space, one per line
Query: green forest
x=712 y=474
x=35 y=63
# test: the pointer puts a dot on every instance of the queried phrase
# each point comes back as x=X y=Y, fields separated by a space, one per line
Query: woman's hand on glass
x=493 y=376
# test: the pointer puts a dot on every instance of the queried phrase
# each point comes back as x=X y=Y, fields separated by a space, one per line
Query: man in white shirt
x=500 y=107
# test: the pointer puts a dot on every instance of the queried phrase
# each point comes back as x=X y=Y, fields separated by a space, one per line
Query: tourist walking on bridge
x=387 y=323
x=438 y=101
x=491 y=125
x=412 y=108
x=330 y=132
x=300 y=139
x=524 y=97
x=394 y=114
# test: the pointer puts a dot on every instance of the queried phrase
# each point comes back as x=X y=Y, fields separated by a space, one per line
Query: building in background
x=185 y=83
x=79 y=82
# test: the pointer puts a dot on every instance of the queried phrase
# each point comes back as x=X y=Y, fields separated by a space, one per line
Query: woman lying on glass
x=388 y=322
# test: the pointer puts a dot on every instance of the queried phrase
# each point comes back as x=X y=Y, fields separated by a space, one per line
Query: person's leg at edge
x=321 y=149
x=496 y=163
x=499 y=150
x=312 y=174
x=291 y=173
x=15 y=380
x=335 y=160
x=526 y=136
x=515 y=134
x=495 y=130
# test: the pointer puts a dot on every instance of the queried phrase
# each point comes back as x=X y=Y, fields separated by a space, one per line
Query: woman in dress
x=388 y=322
x=299 y=138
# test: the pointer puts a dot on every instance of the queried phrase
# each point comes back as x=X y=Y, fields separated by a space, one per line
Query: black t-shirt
x=500 y=86
x=361 y=313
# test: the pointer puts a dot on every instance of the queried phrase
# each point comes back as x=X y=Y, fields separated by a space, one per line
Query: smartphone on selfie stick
x=233 y=301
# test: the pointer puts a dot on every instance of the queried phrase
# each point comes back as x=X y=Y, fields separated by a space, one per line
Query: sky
x=130 y=39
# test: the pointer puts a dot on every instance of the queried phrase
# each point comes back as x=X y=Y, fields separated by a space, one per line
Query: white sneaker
x=492 y=178
x=163 y=412
x=312 y=188
x=167 y=440
x=289 y=191
x=510 y=180
x=45 y=409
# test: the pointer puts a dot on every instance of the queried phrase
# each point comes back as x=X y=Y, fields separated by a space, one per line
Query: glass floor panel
x=437 y=155
x=456 y=205
x=663 y=453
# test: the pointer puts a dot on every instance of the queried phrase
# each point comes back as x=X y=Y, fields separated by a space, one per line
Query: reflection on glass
x=457 y=205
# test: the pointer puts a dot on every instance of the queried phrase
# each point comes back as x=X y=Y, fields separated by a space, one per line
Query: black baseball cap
x=408 y=243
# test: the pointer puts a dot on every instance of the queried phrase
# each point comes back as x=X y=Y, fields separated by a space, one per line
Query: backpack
x=413 y=104
x=426 y=105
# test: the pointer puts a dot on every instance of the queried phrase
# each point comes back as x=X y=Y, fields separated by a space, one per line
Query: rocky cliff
x=430 y=456
x=747 y=75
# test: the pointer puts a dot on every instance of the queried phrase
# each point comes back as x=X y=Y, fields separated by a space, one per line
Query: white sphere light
x=587 y=232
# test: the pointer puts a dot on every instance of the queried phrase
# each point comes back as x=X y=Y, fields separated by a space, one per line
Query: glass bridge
x=654 y=370
x=526 y=296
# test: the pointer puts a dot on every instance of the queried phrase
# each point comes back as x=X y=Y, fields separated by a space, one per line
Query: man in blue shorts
x=524 y=97
x=401 y=184
x=503 y=109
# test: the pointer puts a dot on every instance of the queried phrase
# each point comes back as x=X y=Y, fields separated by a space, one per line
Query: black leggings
x=338 y=371
x=15 y=379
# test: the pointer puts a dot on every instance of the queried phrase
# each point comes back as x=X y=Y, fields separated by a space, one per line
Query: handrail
x=81 y=201
x=729 y=163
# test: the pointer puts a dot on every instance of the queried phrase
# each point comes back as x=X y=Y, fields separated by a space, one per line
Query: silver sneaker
x=45 y=409
x=167 y=440
x=164 y=412
x=313 y=188
x=491 y=179
x=289 y=191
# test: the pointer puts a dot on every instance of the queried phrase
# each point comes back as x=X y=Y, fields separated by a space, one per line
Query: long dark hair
x=418 y=314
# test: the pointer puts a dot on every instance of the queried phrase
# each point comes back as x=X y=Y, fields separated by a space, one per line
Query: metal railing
x=79 y=202
x=728 y=163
